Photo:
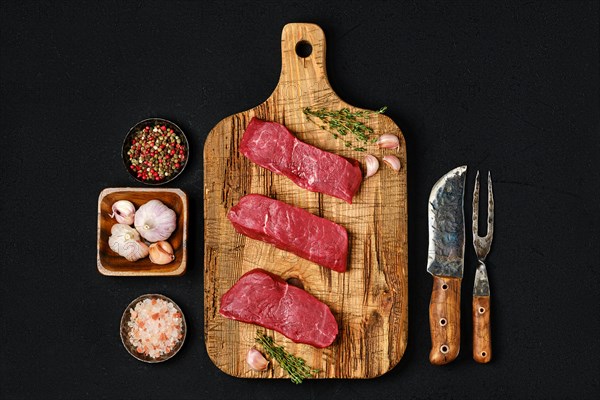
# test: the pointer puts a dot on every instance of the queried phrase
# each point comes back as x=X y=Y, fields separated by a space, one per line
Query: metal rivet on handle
x=444 y=349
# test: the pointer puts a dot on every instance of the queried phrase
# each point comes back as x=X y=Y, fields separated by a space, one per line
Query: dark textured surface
x=508 y=87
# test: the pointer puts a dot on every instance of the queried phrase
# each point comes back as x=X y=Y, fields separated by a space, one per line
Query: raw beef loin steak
x=292 y=229
x=265 y=299
x=273 y=147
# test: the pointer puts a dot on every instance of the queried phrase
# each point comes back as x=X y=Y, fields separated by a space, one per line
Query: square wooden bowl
x=110 y=263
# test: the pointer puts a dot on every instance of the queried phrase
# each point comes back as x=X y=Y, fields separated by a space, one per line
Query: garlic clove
x=393 y=162
x=125 y=241
x=388 y=141
x=155 y=221
x=123 y=211
x=256 y=360
x=161 y=253
x=372 y=165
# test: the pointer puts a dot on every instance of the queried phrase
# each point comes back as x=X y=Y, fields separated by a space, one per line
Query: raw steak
x=273 y=147
x=292 y=229
x=265 y=299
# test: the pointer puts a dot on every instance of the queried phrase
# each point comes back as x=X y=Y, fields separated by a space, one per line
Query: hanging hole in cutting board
x=303 y=49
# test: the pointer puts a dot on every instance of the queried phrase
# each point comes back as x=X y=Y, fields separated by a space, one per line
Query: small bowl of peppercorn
x=155 y=151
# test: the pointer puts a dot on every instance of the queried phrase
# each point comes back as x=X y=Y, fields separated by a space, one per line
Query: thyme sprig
x=295 y=366
x=343 y=122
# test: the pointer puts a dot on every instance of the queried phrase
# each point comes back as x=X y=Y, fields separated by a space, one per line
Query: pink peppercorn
x=155 y=154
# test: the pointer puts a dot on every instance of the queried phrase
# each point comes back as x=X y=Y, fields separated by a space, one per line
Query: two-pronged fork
x=482 y=343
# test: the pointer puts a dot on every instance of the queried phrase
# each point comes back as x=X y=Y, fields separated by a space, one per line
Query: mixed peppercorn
x=157 y=153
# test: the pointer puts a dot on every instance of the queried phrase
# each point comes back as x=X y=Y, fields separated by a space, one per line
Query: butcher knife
x=445 y=262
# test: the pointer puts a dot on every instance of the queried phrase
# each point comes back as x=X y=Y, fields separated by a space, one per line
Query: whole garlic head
x=123 y=211
x=155 y=221
x=125 y=241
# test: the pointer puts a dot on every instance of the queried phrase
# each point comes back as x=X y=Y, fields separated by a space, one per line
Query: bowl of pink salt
x=153 y=328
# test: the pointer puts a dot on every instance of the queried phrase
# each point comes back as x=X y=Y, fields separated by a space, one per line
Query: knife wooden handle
x=482 y=339
x=444 y=320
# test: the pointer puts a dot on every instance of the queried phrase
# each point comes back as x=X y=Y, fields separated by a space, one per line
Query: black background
x=507 y=87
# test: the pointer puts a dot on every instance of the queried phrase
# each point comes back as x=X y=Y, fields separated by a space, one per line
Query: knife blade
x=445 y=262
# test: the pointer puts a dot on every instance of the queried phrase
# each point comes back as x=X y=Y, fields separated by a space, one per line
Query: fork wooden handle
x=482 y=339
x=444 y=320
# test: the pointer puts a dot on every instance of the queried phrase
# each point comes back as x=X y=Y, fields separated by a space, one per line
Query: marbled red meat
x=265 y=299
x=292 y=229
x=273 y=147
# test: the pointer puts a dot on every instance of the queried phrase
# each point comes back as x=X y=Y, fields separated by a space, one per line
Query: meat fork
x=482 y=343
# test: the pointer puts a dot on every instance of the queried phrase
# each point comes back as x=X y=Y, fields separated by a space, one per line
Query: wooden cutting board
x=369 y=301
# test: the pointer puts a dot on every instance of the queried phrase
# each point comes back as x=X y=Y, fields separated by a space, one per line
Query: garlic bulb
x=161 y=252
x=123 y=211
x=125 y=241
x=372 y=165
x=388 y=141
x=256 y=360
x=393 y=162
x=155 y=221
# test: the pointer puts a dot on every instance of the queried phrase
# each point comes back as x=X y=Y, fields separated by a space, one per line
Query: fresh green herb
x=342 y=122
x=294 y=366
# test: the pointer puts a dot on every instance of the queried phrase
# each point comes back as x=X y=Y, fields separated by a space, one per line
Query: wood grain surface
x=110 y=263
x=369 y=301
x=482 y=339
x=444 y=320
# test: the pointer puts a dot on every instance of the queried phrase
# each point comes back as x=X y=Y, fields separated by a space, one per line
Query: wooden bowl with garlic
x=142 y=232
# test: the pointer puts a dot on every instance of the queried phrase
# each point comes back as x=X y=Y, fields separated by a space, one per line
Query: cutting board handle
x=303 y=68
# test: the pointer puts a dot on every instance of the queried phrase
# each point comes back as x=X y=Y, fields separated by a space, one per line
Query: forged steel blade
x=482 y=285
x=446 y=225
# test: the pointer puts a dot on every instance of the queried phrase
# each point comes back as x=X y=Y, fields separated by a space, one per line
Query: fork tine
x=476 y=206
x=490 y=222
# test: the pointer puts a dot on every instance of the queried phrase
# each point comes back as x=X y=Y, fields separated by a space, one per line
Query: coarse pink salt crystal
x=155 y=327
